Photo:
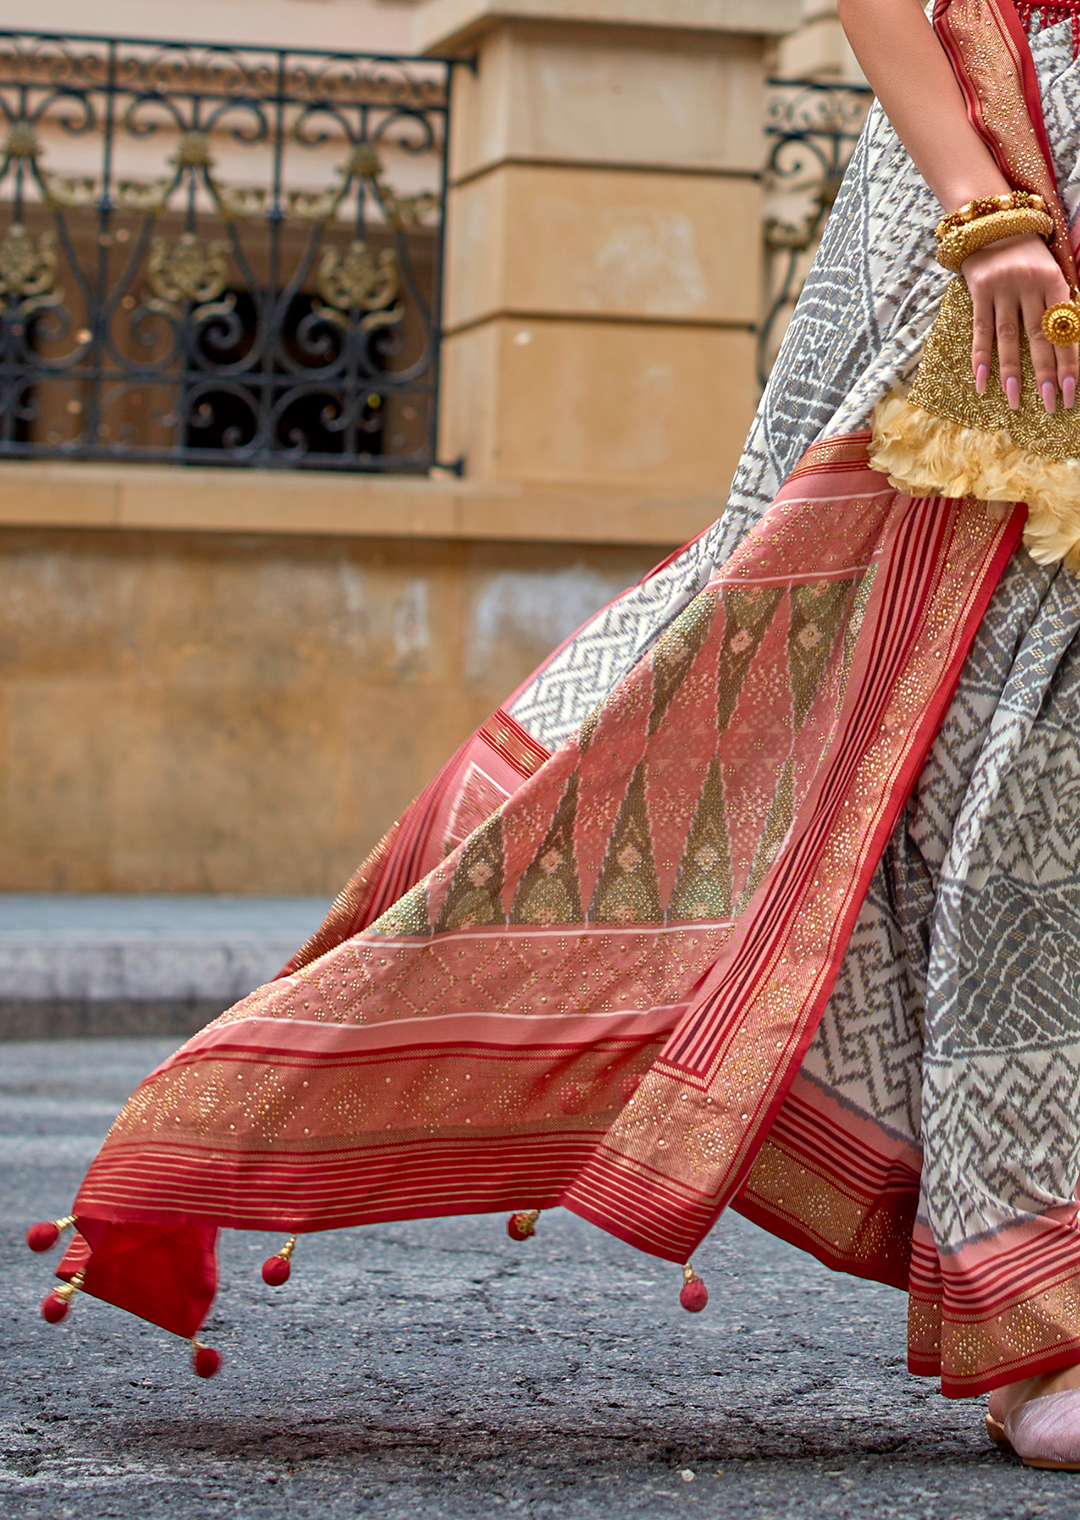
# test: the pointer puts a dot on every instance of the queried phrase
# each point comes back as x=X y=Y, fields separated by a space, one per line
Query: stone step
x=125 y=965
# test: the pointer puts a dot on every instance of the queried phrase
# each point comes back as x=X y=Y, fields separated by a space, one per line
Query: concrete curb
x=106 y=965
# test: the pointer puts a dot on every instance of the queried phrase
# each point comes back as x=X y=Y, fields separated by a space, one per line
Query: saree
x=721 y=907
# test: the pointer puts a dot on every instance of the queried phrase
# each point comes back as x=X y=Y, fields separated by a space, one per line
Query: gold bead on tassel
x=276 y=1269
x=521 y=1225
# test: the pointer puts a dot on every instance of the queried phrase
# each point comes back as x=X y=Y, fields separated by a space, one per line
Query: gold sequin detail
x=945 y=386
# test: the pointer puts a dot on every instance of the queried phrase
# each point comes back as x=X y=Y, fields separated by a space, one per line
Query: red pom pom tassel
x=54 y=1308
x=55 y=1305
x=694 y=1295
x=520 y=1226
x=205 y=1359
x=43 y=1236
x=276 y=1269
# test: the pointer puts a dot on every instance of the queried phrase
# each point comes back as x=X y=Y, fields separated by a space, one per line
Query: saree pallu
x=674 y=930
x=599 y=998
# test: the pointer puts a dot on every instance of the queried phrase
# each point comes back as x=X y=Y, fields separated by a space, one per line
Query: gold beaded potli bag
x=940 y=437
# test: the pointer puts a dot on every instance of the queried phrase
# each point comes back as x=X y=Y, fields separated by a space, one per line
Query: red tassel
x=520 y=1226
x=55 y=1305
x=54 y=1308
x=43 y=1236
x=205 y=1359
x=276 y=1269
x=694 y=1295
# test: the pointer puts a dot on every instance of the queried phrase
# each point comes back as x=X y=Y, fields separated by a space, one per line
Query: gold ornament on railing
x=238 y=201
x=401 y=211
x=365 y=162
x=321 y=205
x=28 y=270
x=193 y=151
x=358 y=281
x=233 y=202
x=148 y=198
x=72 y=192
x=22 y=142
x=186 y=272
x=405 y=211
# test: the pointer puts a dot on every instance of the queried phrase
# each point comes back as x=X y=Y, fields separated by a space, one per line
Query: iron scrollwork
x=206 y=255
x=814 y=128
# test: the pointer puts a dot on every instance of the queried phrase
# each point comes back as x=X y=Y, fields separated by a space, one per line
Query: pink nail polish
x=1012 y=392
x=982 y=375
x=1068 y=392
x=1049 y=395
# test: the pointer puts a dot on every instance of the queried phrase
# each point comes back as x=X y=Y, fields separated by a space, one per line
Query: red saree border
x=837 y=1185
x=421 y=1178
x=1000 y=1309
x=833 y=456
x=514 y=743
x=833 y=1183
x=629 y=1187
x=503 y=753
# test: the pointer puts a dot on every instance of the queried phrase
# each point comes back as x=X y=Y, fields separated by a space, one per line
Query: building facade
x=277 y=530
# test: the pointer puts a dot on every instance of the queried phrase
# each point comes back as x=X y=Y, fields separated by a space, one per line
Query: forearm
x=907 y=68
x=1012 y=282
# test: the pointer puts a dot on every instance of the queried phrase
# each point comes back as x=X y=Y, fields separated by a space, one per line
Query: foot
x=1039 y=1418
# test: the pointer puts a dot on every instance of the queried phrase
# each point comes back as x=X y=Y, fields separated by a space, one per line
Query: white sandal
x=1046 y=1432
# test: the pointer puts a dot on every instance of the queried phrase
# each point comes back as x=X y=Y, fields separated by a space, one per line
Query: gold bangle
x=1061 y=324
x=960 y=242
x=989 y=205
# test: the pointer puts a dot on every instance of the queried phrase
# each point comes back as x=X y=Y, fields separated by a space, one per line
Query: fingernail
x=982 y=375
x=1068 y=392
x=1049 y=395
x=1012 y=392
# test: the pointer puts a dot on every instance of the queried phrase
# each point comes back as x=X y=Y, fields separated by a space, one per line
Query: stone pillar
x=604 y=237
x=819 y=49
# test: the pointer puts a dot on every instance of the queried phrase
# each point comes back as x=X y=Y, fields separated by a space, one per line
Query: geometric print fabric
x=954 y=1026
x=955 y=1021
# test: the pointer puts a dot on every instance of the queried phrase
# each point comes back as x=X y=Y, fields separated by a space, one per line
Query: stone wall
x=818 y=49
x=223 y=712
x=603 y=236
x=232 y=681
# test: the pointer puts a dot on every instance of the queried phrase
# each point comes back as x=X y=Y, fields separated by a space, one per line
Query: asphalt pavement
x=437 y=1369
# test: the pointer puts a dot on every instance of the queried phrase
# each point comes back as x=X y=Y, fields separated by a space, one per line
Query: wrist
x=960 y=192
x=958 y=241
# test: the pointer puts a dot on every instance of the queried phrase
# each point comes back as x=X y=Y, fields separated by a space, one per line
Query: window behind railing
x=219 y=255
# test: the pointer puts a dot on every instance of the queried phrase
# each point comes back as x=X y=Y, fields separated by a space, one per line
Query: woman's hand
x=1011 y=284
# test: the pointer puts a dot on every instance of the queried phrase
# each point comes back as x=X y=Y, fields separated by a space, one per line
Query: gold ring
x=1061 y=323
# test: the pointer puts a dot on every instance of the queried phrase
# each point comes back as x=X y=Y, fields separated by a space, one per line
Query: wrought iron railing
x=220 y=255
x=814 y=128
